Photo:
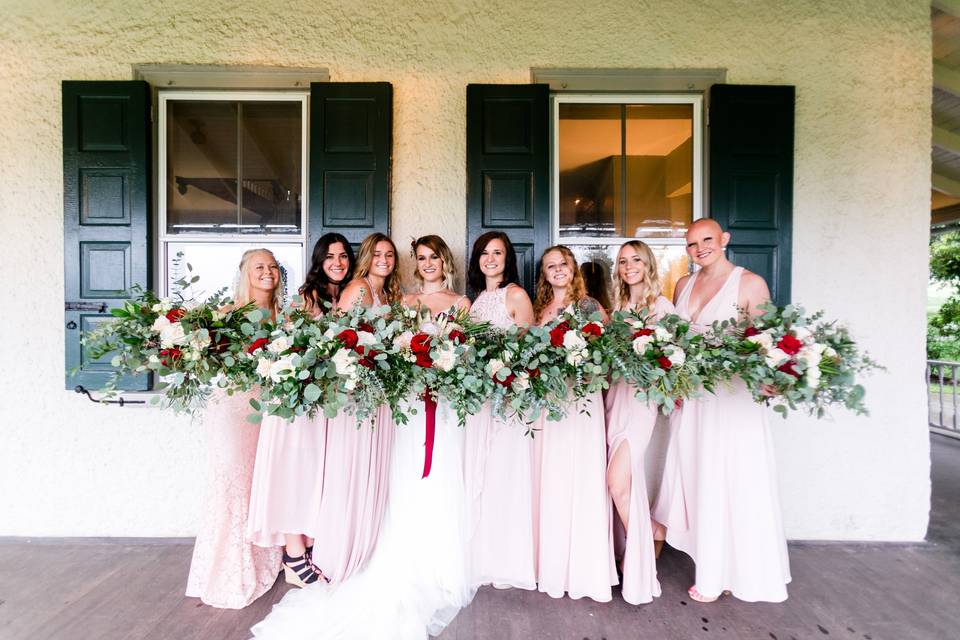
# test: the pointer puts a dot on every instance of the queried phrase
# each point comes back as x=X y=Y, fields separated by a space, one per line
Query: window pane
x=659 y=176
x=216 y=264
x=271 y=167
x=212 y=147
x=590 y=149
x=201 y=166
x=672 y=262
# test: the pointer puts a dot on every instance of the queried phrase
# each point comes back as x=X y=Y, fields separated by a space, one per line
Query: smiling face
x=263 y=272
x=630 y=265
x=557 y=269
x=493 y=259
x=384 y=259
x=336 y=262
x=429 y=264
x=706 y=242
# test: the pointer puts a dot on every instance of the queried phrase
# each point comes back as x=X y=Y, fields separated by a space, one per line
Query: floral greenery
x=808 y=362
x=943 y=327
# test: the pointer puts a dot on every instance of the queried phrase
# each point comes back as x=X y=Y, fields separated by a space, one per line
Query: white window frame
x=696 y=100
x=164 y=238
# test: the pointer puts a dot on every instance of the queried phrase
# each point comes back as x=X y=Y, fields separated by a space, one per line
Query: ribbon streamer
x=430 y=409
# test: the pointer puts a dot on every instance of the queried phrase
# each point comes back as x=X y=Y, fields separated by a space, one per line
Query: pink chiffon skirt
x=500 y=506
x=287 y=480
x=575 y=542
x=227 y=570
x=631 y=423
x=355 y=481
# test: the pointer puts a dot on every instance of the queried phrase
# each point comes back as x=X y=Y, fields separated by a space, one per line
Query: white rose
x=677 y=357
x=153 y=359
x=199 y=342
x=279 y=345
x=445 y=360
x=762 y=339
x=350 y=384
x=343 y=360
x=662 y=334
x=172 y=335
x=637 y=325
x=263 y=367
x=801 y=333
x=830 y=352
x=522 y=381
x=403 y=340
x=160 y=323
x=572 y=341
x=775 y=357
x=812 y=376
x=365 y=339
x=494 y=366
x=575 y=358
x=282 y=368
x=640 y=344
x=810 y=357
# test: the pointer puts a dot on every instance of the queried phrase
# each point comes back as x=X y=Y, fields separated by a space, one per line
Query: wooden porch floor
x=111 y=590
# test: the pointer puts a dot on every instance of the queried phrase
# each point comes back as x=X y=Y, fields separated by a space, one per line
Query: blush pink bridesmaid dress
x=718 y=498
x=227 y=569
x=632 y=422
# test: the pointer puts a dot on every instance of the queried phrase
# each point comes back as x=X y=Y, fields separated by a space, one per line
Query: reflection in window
x=672 y=263
x=233 y=167
x=625 y=170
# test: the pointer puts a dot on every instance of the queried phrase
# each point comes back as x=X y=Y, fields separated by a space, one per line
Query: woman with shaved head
x=719 y=493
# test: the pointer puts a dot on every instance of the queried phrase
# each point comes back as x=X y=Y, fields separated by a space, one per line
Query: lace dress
x=227 y=570
x=499 y=483
x=719 y=497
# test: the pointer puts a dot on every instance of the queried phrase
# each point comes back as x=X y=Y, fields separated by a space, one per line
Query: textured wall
x=862 y=71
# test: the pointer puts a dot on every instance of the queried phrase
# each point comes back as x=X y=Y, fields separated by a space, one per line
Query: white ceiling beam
x=946 y=140
x=946 y=78
x=946 y=185
x=947 y=6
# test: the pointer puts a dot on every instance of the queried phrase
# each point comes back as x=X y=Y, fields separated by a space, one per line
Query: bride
x=416 y=580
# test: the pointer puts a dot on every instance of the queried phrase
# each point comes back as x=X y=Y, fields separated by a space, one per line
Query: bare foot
x=699 y=597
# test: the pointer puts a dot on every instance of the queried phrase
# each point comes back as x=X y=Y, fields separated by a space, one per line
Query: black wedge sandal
x=300 y=570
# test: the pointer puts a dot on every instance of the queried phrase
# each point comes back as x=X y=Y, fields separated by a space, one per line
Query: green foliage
x=943 y=332
x=945 y=258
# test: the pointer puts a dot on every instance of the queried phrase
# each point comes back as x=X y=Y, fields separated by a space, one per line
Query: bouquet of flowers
x=790 y=359
x=664 y=361
x=443 y=357
x=191 y=346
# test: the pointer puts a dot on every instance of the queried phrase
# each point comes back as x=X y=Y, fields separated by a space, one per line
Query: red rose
x=175 y=314
x=420 y=344
x=348 y=337
x=506 y=382
x=365 y=326
x=423 y=360
x=557 y=333
x=259 y=343
x=664 y=362
x=787 y=367
x=222 y=345
x=751 y=331
x=368 y=360
x=678 y=403
x=533 y=373
x=458 y=336
x=789 y=345
x=173 y=354
x=593 y=329
x=643 y=332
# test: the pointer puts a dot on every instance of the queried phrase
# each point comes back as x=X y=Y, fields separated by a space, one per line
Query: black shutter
x=751 y=178
x=351 y=143
x=508 y=169
x=106 y=203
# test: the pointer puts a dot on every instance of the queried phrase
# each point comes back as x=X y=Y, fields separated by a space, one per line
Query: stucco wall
x=862 y=72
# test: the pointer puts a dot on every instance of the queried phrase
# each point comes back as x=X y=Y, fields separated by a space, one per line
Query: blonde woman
x=435 y=271
x=227 y=570
x=630 y=425
x=575 y=554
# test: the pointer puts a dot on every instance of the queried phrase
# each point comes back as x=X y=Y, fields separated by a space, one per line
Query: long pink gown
x=355 y=480
x=499 y=483
x=719 y=497
x=631 y=422
x=227 y=570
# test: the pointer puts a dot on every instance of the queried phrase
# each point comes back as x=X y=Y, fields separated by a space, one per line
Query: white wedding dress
x=416 y=580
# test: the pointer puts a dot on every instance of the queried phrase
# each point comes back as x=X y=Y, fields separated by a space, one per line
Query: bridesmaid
x=630 y=424
x=498 y=466
x=435 y=272
x=575 y=545
x=227 y=570
x=357 y=463
x=720 y=470
x=288 y=476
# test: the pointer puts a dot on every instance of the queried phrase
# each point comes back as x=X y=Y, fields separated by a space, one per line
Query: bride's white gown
x=416 y=580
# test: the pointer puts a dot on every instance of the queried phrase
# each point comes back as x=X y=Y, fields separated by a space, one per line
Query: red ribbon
x=430 y=408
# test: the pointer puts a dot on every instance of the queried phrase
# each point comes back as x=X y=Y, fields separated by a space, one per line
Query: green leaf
x=311 y=393
x=255 y=404
x=254 y=418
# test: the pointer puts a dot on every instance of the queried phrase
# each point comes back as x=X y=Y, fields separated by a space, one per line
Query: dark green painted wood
x=751 y=178
x=508 y=169
x=106 y=212
x=351 y=147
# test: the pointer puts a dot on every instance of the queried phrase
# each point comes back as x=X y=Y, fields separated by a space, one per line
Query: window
x=627 y=166
x=231 y=176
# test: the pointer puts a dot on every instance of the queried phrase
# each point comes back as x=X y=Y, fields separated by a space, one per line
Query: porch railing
x=942 y=397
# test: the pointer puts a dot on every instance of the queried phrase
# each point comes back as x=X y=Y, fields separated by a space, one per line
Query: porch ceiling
x=945 y=152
